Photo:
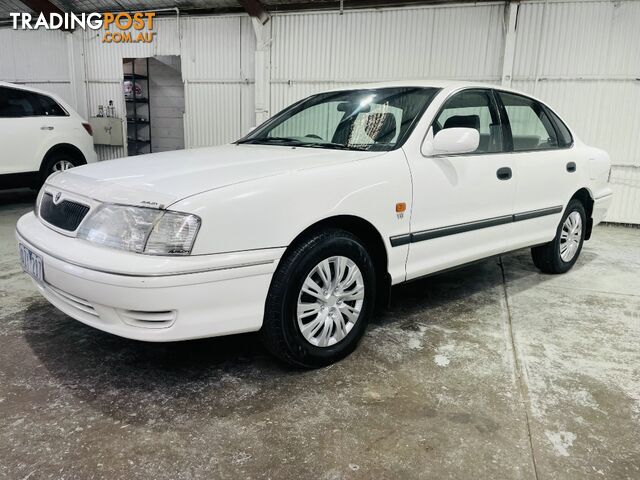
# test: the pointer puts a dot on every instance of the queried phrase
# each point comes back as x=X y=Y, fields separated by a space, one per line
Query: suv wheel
x=320 y=300
x=559 y=255
x=58 y=162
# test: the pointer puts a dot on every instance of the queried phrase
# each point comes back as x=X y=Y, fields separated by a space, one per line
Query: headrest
x=466 y=121
x=380 y=126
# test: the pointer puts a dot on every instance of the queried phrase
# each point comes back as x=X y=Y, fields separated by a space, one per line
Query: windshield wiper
x=281 y=140
x=337 y=146
x=294 y=142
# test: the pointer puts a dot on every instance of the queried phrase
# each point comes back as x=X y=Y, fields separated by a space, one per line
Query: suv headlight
x=141 y=230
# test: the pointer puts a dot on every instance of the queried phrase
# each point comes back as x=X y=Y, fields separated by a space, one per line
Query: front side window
x=531 y=127
x=16 y=103
x=473 y=109
x=376 y=119
x=49 y=107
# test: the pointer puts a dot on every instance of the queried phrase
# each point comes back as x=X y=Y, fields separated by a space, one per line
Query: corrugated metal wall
x=582 y=57
x=315 y=51
x=49 y=69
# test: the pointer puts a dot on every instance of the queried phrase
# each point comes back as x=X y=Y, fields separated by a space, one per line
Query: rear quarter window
x=50 y=107
x=564 y=135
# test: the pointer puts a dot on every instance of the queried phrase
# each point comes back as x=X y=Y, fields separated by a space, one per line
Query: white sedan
x=299 y=228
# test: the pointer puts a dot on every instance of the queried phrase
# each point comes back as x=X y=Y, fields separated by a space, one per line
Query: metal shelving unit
x=135 y=125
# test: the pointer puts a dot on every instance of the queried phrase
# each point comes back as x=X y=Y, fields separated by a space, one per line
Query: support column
x=263 y=69
x=511 y=19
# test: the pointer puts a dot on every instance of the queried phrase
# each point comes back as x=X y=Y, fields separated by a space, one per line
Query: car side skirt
x=18 y=180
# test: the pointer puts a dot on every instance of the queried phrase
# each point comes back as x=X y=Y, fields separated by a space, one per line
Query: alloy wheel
x=62 y=165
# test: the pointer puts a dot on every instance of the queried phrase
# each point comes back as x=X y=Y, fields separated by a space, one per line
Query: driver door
x=462 y=204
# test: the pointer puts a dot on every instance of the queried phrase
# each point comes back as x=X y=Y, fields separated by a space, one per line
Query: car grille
x=66 y=215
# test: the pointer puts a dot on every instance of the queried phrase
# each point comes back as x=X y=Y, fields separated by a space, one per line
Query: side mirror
x=451 y=141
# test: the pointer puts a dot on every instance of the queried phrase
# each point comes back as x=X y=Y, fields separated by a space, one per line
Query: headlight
x=141 y=230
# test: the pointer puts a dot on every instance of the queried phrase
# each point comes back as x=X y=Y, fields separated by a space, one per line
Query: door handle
x=46 y=127
x=571 y=167
x=504 y=173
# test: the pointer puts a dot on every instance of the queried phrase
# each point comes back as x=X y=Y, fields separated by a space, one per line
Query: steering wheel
x=313 y=135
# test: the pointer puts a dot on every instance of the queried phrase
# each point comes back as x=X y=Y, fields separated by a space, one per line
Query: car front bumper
x=154 y=298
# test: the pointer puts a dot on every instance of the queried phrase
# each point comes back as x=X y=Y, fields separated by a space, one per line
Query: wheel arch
x=63 y=147
x=368 y=234
x=585 y=197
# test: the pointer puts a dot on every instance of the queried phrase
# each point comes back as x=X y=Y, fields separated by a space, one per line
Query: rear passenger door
x=544 y=161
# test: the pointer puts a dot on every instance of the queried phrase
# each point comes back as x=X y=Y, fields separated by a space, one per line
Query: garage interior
x=490 y=371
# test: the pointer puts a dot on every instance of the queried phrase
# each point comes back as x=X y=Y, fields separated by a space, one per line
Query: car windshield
x=374 y=119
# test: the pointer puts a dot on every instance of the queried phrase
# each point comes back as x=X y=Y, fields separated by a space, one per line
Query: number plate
x=31 y=263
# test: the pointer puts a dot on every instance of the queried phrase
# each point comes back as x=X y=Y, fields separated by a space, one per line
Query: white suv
x=39 y=134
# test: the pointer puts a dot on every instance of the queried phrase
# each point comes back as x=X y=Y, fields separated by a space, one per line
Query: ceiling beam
x=255 y=9
x=42 y=6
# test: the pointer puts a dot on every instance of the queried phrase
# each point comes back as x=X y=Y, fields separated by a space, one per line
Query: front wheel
x=320 y=300
x=559 y=255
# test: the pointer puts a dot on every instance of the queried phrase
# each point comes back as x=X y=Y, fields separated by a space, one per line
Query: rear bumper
x=159 y=305
x=600 y=207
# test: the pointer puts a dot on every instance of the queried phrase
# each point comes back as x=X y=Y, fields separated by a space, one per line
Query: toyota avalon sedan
x=299 y=228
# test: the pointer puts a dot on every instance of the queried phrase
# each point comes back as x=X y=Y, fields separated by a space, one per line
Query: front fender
x=270 y=212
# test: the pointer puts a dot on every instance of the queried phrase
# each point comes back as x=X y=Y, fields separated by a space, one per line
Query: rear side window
x=473 y=109
x=17 y=103
x=49 y=106
x=531 y=126
x=564 y=135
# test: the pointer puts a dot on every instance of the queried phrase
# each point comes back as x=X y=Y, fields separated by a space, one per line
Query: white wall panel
x=211 y=48
x=625 y=182
x=583 y=58
x=454 y=42
x=33 y=55
x=214 y=113
x=316 y=51
x=578 y=39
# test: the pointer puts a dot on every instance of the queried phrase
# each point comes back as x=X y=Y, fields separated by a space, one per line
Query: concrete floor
x=471 y=374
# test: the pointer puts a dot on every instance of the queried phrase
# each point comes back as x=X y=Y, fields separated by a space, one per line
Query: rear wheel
x=559 y=255
x=320 y=300
x=58 y=162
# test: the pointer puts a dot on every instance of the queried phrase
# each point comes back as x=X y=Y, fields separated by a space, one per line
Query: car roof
x=55 y=96
x=448 y=85
x=26 y=88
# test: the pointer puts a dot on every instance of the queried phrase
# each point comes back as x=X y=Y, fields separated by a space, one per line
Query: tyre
x=559 y=255
x=320 y=300
x=57 y=162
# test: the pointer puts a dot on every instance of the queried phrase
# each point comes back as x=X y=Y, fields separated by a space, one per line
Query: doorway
x=154 y=95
